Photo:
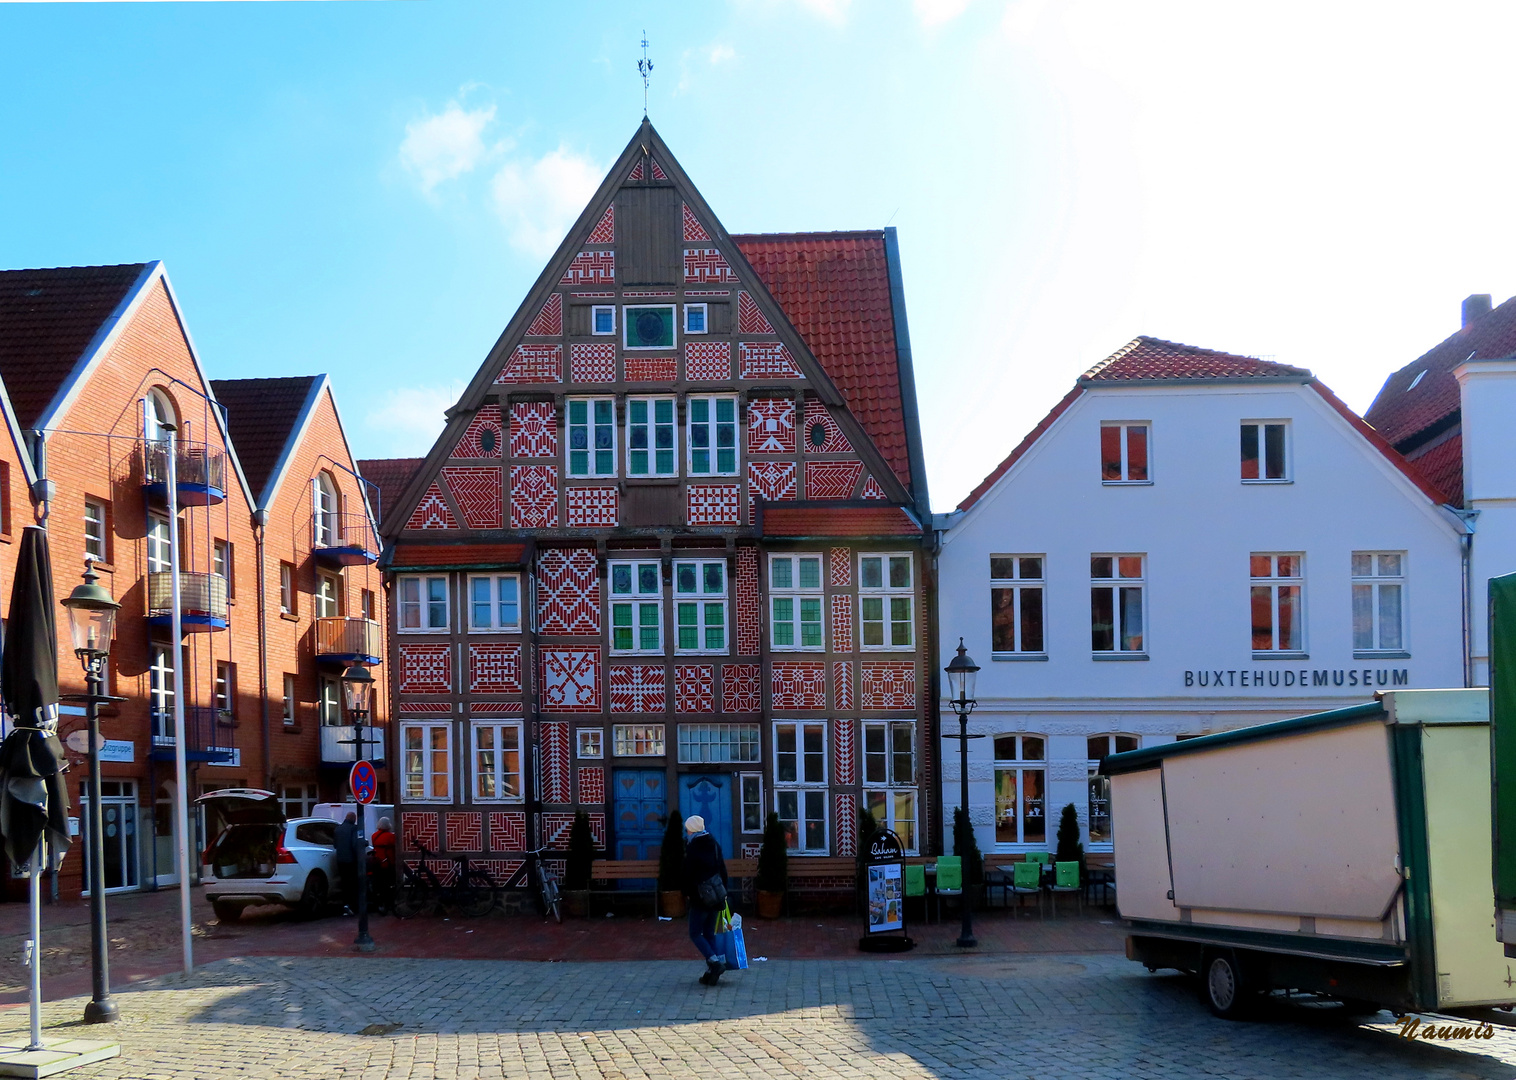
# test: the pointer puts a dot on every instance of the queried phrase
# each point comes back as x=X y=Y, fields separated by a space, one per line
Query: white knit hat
x=694 y=823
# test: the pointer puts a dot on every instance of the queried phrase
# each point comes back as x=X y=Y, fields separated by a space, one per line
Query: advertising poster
x=886 y=897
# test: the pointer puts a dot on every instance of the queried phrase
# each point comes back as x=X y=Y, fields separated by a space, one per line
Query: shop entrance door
x=710 y=796
x=118 y=815
x=641 y=802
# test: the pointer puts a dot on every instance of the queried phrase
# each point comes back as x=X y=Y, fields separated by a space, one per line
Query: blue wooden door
x=710 y=796
x=641 y=801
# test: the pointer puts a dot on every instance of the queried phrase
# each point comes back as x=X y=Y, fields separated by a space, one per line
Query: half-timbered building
x=668 y=551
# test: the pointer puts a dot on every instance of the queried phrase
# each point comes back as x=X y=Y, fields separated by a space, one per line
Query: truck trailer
x=1346 y=853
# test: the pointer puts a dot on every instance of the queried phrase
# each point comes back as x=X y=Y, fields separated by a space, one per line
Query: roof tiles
x=390 y=475
x=781 y=520
x=1150 y=358
x=261 y=415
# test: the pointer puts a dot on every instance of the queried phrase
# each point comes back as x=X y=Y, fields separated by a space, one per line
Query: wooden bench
x=613 y=870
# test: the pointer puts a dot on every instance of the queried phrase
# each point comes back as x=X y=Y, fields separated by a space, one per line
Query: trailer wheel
x=1222 y=986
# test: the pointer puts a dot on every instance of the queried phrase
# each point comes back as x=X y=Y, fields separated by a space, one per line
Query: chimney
x=1475 y=306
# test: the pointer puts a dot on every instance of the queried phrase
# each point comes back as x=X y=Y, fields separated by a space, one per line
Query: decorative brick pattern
x=693 y=230
x=638 y=688
x=749 y=609
x=507 y=830
x=495 y=708
x=534 y=429
x=568 y=591
x=494 y=668
x=591 y=784
x=844 y=753
x=771 y=480
x=592 y=362
x=888 y=684
x=842 y=685
x=694 y=689
x=750 y=318
x=700 y=294
x=591 y=507
x=652 y=368
x=533 y=364
x=424 y=709
x=845 y=810
x=555 y=761
x=771 y=426
x=556 y=826
x=842 y=623
x=712 y=504
x=611 y=295
x=750 y=851
x=420 y=826
x=872 y=490
x=740 y=689
x=476 y=491
x=471 y=445
x=591 y=268
x=647 y=294
x=766 y=360
x=570 y=683
x=499 y=870
x=833 y=441
x=842 y=567
x=636 y=173
x=832 y=479
x=432 y=511
x=426 y=669
x=798 y=684
x=446 y=870
x=534 y=496
x=658 y=173
x=465 y=831
x=605 y=231
x=707 y=361
x=704 y=266
x=549 y=321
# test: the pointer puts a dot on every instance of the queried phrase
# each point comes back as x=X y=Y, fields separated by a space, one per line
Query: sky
x=368 y=188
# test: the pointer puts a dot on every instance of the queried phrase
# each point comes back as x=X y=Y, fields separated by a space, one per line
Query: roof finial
x=644 y=68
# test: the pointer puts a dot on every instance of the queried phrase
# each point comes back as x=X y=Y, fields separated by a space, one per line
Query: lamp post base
x=101 y=1011
x=364 y=944
x=966 y=941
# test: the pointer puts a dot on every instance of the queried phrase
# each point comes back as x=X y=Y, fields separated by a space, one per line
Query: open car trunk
x=245 y=851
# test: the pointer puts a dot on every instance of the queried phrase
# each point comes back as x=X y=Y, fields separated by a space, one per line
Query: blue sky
x=368 y=188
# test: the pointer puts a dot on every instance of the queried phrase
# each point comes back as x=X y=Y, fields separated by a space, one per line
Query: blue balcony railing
x=206 y=739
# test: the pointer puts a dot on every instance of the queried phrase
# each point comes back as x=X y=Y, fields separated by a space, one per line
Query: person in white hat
x=705 y=884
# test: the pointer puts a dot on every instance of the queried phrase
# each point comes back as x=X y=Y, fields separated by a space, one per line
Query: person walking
x=383 y=841
x=349 y=842
x=704 y=871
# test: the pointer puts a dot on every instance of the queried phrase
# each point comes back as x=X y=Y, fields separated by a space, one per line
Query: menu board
x=886 y=883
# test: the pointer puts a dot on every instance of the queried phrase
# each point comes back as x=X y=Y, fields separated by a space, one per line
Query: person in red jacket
x=383 y=863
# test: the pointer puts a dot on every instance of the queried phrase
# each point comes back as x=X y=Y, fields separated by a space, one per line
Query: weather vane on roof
x=645 y=68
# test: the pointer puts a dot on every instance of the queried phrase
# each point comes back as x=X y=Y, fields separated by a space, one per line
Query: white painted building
x=1190 y=541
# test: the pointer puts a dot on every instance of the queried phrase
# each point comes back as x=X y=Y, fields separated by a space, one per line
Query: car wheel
x=1226 y=995
x=313 y=898
x=225 y=912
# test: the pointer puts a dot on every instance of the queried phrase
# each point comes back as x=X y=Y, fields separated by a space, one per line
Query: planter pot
x=578 y=902
x=671 y=901
x=770 y=904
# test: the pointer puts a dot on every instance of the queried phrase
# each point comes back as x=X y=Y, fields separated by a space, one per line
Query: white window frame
x=492 y=584
x=225 y=694
x=223 y=563
x=477 y=774
x=719 y=737
x=1375 y=582
x=1260 y=435
x=805 y=799
x=1116 y=584
x=328 y=595
x=705 y=319
x=1098 y=782
x=705 y=605
x=1273 y=582
x=639 y=740
x=286 y=588
x=328 y=701
x=592 y=426
x=595 y=311
x=423 y=604
x=626 y=323
x=795 y=594
x=638 y=602
x=589 y=743
x=800 y=729
x=1126 y=446
x=650 y=427
x=326 y=510
x=889 y=596
x=884 y=787
x=713 y=435
x=1019 y=586
x=161 y=687
x=96 y=531
x=1021 y=765
x=750 y=794
x=888 y=799
x=427 y=749
x=290 y=700
x=301 y=805
x=158 y=558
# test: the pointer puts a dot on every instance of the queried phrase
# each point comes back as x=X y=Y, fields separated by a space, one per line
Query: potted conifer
x=671 y=867
x=773 y=869
x=580 y=864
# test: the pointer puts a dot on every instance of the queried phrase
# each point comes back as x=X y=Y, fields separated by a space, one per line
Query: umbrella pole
x=36 y=951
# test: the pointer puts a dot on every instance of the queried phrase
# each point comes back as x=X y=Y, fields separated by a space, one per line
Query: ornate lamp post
x=960 y=672
x=92 y=625
x=357 y=692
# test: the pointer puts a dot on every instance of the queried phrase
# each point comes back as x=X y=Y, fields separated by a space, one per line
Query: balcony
x=204 y=735
x=338 y=747
x=340 y=640
x=200 y=473
x=202 y=601
x=343 y=539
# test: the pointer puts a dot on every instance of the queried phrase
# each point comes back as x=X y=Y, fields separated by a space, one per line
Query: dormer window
x=1124 y=454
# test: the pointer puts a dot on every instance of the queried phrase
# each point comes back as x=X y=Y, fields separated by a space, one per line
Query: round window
x=650 y=328
x=817 y=434
x=487 y=440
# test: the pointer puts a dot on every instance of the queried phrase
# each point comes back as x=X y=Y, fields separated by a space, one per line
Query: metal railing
x=333 y=530
x=201 y=731
x=197 y=464
x=199 y=594
x=342 y=636
x=338 y=748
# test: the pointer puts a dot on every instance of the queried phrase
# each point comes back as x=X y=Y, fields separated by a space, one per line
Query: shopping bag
x=734 y=946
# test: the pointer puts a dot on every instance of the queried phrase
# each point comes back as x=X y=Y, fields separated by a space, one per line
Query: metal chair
x=1066 y=880
x=1026 y=880
x=949 y=880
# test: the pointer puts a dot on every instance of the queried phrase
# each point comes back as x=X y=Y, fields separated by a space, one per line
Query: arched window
x=1020 y=789
x=1097 y=747
x=326 y=507
x=158 y=415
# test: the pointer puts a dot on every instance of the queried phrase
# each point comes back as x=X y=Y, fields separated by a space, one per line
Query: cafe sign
x=884 y=887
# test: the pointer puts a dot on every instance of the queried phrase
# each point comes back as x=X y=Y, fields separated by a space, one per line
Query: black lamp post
x=357 y=692
x=960 y=672
x=92 y=625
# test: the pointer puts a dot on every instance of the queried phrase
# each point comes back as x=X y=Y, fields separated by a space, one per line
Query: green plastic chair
x=949 y=879
x=915 y=885
x=1066 y=880
x=1026 y=880
x=1041 y=858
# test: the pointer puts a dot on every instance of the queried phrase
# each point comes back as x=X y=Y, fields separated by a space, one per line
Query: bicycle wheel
x=475 y=901
x=409 y=901
x=552 y=901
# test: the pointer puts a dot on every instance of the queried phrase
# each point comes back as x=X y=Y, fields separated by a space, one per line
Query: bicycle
x=473 y=893
x=549 y=893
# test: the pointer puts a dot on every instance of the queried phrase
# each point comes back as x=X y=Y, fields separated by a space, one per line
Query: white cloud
x=539 y=200
x=445 y=146
x=720 y=54
x=408 y=419
x=933 y=12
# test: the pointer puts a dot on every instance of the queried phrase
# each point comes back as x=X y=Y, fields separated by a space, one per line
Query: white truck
x=1346 y=853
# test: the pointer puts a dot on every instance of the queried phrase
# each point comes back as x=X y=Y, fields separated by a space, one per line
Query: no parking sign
x=364 y=781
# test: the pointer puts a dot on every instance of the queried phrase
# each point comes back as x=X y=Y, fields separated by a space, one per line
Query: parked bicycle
x=548 y=893
x=473 y=892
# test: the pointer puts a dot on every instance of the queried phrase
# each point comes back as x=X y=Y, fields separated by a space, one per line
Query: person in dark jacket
x=349 y=850
x=702 y=861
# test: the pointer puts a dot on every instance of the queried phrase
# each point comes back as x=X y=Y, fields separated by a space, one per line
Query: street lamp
x=357 y=693
x=960 y=672
x=92 y=625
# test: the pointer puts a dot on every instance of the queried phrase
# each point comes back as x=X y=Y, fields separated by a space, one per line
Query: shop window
x=889 y=776
x=1020 y=789
x=1097 y=747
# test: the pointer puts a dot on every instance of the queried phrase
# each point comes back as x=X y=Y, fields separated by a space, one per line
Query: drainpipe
x=1466 y=553
x=531 y=776
x=260 y=523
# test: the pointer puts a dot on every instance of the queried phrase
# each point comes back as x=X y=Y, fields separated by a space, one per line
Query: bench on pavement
x=608 y=872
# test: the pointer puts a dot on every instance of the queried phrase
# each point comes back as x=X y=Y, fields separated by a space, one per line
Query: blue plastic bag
x=734 y=946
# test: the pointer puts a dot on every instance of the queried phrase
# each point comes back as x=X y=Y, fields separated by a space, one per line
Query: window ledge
x=289 y=616
x=1280 y=654
x=1388 y=654
x=102 y=565
x=1126 y=483
x=1267 y=483
x=1119 y=656
x=998 y=657
x=290 y=729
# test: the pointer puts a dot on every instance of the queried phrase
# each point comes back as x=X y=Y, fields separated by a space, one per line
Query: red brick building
x=275 y=545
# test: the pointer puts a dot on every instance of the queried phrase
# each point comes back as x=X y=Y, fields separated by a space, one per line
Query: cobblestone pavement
x=1078 y=1015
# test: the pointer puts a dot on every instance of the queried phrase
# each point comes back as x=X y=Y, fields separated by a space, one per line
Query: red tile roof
x=261 y=415
x=47 y=320
x=835 y=288
x=410 y=556
x=781 y=520
x=391 y=475
x=1150 y=358
x=1021 y=448
x=1442 y=465
x=1381 y=444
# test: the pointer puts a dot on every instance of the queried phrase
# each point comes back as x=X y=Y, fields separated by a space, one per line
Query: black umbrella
x=33 y=797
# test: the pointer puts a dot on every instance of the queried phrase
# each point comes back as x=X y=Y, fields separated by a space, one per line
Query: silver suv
x=260 y=857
